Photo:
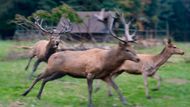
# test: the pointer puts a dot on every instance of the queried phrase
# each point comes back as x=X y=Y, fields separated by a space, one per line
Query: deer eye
x=127 y=50
x=174 y=47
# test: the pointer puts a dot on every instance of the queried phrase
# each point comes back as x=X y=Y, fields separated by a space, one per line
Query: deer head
x=125 y=48
x=171 y=48
x=54 y=38
x=128 y=52
x=54 y=41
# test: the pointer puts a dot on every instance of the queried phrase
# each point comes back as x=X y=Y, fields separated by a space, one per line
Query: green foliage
x=55 y=14
x=154 y=12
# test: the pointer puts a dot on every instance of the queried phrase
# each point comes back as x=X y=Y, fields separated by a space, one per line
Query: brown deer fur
x=148 y=65
x=42 y=50
x=90 y=64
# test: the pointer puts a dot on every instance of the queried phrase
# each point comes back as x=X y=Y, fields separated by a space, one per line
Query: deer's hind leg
x=36 y=64
x=145 y=76
x=49 y=78
x=39 y=77
x=30 y=59
x=158 y=78
x=97 y=88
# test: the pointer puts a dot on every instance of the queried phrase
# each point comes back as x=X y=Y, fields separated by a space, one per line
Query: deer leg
x=26 y=68
x=112 y=83
x=35 y=67
x=97 y=86
x=146 y=86
x=39 y=77
x=90 y=89
x=109 y=90
x=109 y=87
x=45 y=80
x=157 y=77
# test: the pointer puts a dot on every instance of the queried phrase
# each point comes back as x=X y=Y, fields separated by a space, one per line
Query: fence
x=145 y=34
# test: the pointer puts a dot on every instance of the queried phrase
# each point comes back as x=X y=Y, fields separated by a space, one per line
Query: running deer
x=148 y=65
x=43 y=49
x=90 y=64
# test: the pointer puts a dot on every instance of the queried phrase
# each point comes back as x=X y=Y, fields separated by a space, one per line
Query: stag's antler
x=101 y=15
x=115 y=36
x=38 y=24
x=129 y=37
x=66 y=27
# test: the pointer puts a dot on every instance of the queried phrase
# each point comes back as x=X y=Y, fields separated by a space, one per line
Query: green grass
x=72 y=92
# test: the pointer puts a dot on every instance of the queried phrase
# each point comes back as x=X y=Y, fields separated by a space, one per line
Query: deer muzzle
x=182 y=53
x=137 y=60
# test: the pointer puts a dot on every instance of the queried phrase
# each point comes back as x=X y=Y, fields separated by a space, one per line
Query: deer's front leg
x=157 y=77
x=146 y=85
x=97 y=87
x=90 y=89
x=112 y=83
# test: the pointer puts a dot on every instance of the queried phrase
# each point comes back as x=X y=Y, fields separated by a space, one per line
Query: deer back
x=39 y=48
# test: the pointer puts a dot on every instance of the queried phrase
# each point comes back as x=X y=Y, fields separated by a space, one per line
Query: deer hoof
x=155 y=89
x=38 y=97
x=148 y=97
x=96 y=90
x=90 y=105
x=110 y=94
x=25 y=93
x=124 y=101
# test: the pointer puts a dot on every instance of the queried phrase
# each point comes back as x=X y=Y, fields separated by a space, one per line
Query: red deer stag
x=148 y=65
x=90 y=64
x=43 y=49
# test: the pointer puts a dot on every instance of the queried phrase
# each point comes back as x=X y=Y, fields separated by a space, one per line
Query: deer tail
x=23 y=47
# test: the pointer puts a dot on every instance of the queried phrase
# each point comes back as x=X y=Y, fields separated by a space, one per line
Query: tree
x=8 y=9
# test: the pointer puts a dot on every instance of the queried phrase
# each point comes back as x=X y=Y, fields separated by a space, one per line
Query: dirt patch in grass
x=177 y=81
x=1 y=105
x=16 y=104
x=14 y=55
x=167 y=97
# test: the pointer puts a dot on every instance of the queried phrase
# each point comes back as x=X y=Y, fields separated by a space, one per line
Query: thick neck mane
x=114 y=58
x=162 y=57
x=49 y=51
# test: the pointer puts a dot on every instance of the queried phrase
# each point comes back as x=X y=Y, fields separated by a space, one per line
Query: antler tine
x=114 y=35
x=66 y=25
x=100 y=16
x=70 y=26
x=128 y=36
x=109 y=26
x=38 y=24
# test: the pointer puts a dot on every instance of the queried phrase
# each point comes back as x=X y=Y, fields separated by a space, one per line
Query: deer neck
x=114 y=59
x=161 y=58
x=49 y=50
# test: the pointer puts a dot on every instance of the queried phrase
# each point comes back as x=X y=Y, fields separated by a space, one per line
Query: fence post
x=167 y=30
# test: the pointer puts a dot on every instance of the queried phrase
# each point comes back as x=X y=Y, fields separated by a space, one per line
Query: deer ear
x=123 y=44
x=169 y=41
x=166 y=42
x=50 y=38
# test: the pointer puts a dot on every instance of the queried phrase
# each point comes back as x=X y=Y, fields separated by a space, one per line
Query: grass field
x=72 y=92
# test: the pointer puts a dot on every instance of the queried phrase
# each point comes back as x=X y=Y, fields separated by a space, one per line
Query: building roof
x=90 y=24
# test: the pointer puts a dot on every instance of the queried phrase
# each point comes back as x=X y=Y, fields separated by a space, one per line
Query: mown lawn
x=72 y=92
